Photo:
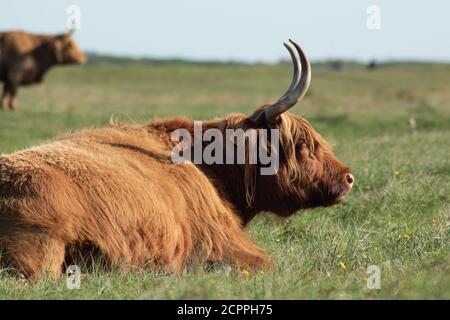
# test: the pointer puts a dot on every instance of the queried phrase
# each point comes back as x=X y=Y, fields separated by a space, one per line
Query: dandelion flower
x=245 y=273
x=342 y=265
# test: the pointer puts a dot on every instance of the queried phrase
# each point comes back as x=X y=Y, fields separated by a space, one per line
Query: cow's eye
x=301 y=144
x=300 y=148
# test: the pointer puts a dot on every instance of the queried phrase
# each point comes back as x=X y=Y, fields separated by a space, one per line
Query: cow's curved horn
x=299 y=85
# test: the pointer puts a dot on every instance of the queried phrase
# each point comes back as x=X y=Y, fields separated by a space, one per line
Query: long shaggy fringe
x=293 y=130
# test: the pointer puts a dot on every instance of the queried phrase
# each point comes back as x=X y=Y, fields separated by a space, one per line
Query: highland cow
x=25 y=58
x=118 y=189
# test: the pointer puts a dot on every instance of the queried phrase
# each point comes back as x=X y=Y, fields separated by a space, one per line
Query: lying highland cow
x=118 y=189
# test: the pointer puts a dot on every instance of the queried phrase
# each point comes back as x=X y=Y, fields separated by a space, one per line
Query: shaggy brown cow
x=26 y=57
x=118 y=189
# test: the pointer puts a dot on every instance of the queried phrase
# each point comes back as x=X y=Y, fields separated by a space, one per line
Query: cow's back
x=20 y=42
x=102 y=167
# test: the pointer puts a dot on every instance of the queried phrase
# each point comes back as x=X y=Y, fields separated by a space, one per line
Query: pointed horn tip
x=295 y=44
x=299 y=49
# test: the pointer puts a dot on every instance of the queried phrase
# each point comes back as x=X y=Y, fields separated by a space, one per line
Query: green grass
x=397 y=217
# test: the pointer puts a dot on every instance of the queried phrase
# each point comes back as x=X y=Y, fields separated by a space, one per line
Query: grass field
x=397 y=216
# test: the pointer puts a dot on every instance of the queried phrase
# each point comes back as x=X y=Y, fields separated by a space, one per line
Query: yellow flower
x=342 y=265
x=245 y=273
x=396 y=173
x=406 y=236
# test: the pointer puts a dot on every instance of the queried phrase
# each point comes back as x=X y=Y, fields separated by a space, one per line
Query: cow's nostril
x=349 y=178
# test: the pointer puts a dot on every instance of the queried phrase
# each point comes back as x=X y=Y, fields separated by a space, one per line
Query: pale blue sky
x=248 y=30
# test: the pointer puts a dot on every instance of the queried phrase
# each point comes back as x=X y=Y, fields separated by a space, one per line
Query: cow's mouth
x=334 y=197
x=333 y=201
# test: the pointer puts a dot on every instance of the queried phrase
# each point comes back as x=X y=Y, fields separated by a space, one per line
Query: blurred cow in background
x=26 y=57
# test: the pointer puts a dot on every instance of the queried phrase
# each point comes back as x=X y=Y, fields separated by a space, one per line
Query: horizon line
x=189 y=60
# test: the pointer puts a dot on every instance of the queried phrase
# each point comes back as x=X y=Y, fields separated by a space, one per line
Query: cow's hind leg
x=247 y=255
x=240 y=250
x=34 y=254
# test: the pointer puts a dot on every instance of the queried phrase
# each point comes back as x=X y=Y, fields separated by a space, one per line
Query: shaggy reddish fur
x=118 y=189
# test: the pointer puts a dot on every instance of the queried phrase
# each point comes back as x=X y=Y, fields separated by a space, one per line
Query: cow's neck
x=229 y=182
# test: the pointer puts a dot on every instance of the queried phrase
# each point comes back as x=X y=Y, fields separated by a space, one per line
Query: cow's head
x=309 y=174
x=67 y=50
